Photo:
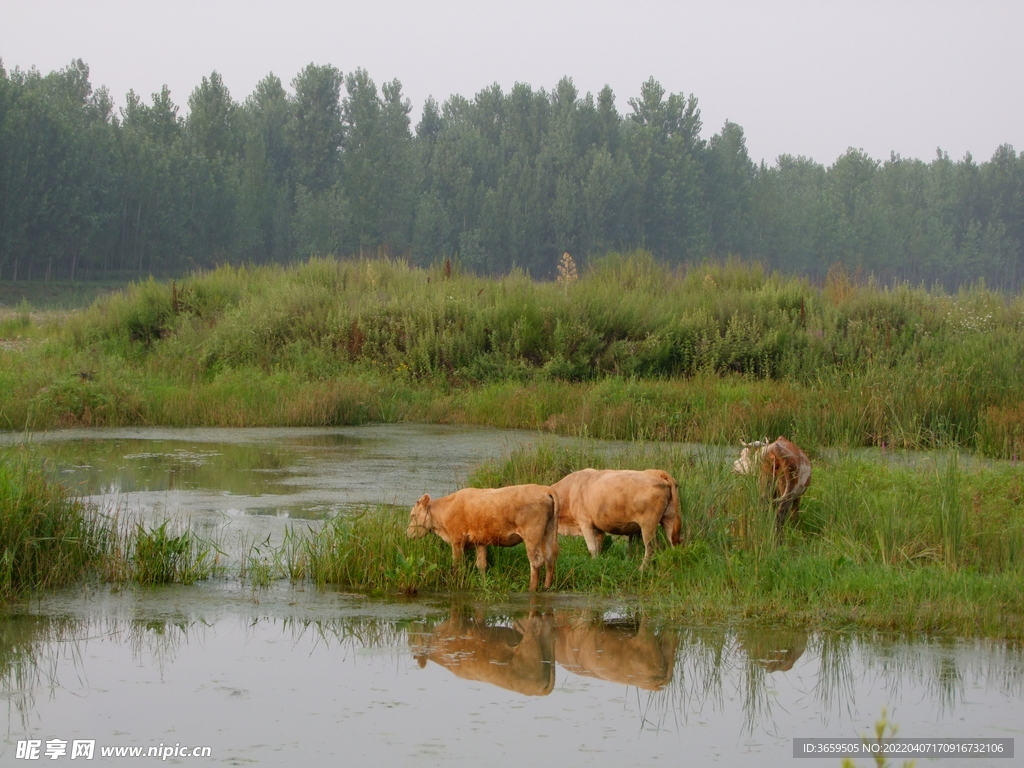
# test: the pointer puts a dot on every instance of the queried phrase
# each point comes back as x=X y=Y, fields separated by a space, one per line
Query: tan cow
x=785 y=473
x=501 y=517
x=625 y=502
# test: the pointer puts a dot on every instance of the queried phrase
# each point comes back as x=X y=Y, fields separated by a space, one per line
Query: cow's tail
x=804 y=478
x=551 y=532
x=670 y=518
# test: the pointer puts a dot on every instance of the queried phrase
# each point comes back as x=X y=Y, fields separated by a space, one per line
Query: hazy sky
x=802 y=78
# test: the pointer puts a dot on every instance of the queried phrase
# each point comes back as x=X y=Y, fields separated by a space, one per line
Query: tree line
x=333 y=165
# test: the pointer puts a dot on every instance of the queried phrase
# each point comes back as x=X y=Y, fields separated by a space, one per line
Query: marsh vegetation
x=631 y=349
x=626 y=348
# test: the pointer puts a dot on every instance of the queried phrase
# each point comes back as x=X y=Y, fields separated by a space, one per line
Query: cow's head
x=749 y=456
x=420 y=520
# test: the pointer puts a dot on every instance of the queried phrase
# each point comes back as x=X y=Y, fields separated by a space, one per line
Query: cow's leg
x=787 y=512
x=631 y=542
x=649 y=536
x=535 y=554
x=534 y=577
x=549 y=571
x=543 y=558
x=593 y=537
x=549 y=552
x=481 y=557
x=458 y=550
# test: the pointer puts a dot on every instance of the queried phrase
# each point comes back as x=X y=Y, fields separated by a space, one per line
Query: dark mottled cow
x=784 y=470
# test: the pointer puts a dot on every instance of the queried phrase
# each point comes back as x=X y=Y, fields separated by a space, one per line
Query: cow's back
x=621 y=501
x=570 y=490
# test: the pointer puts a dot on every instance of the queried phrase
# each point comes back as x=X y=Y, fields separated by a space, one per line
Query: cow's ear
x=424 y=500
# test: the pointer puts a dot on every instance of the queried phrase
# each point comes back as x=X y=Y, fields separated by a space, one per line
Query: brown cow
x=501 y=517
x=785 y=473
x=626 y=502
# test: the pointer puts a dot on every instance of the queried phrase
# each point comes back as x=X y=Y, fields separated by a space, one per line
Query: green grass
x=931 y=546
x=873 y=546
x=801 y=582
x=47 y=537
x=159 y=556
x=630 y=350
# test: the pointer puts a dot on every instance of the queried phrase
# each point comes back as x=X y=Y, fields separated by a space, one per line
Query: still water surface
x=291 y=676
x=237 y=486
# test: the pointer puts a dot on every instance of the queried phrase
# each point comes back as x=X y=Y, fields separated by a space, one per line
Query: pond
x=302 y=677
x=237 y=486
x=299 y=676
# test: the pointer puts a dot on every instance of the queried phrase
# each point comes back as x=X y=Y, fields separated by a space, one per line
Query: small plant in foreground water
x=263 y=564
x=881 y=727
x=410 y=572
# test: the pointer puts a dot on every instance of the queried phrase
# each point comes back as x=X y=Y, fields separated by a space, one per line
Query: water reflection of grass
x=97 y=466
x=28 y=660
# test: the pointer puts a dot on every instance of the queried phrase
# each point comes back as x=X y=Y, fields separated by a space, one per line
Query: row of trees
x=334 y=166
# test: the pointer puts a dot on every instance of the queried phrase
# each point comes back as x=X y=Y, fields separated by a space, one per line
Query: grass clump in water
x=48 y=538
x=157 y=556
x=370 y=552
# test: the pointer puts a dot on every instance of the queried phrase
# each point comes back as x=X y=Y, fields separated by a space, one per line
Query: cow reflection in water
x=629 y=653
x=776 y=650
x=521 y=657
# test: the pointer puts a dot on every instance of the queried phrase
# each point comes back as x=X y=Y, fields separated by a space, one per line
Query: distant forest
x=502 y=180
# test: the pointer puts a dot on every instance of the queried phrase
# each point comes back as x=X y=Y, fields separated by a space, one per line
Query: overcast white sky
x=802 y=78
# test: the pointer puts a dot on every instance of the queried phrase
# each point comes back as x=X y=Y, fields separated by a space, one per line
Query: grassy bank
x=628 y=350
x=933 y=544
